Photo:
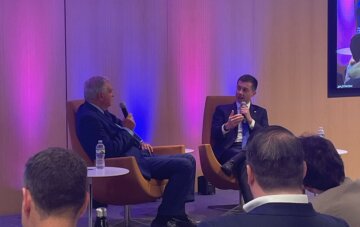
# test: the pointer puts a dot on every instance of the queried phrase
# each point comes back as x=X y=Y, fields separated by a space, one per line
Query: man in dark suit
x=94 y=122
x=276 y=169
x=231 y=127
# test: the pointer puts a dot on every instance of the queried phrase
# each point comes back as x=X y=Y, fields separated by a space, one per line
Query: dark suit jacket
x=92 y=125
x=278 y=215
x=221 y=142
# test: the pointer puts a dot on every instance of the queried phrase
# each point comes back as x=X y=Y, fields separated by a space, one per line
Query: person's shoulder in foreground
x=269 y=220
x=275 y=168
x=336 y=195
x=279 y=221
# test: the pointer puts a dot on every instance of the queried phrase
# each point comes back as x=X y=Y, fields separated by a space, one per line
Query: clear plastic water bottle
x=100 y=155
x=101 y=220
x=321 y=132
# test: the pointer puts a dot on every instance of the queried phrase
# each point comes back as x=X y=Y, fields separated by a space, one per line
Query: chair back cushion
x=210 y=104
x=71 y=109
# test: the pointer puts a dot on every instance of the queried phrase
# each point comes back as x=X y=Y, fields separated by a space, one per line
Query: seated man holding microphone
x=231 y=127
x=94 y=122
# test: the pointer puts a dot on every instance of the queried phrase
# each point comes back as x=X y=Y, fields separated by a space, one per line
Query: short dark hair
x=56 y=179
x=325 y=168
x=355 y=47
x=249 y=78
x=276 y=158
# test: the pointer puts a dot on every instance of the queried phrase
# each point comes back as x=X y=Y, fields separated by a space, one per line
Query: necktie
x=136 y=136
x=245 y=133
x=107 y=114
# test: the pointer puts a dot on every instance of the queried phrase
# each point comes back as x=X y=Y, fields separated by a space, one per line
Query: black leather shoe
x=228 y=168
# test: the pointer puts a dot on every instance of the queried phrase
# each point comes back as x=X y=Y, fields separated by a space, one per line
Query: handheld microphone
x=242 y=104
x=124 y=109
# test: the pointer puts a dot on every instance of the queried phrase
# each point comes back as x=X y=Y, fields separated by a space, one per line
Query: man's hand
x=244 y=110
x=129 y=122
x=233 y=121
x=146 y=146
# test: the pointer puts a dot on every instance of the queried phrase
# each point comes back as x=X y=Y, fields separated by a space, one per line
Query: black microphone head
x=124 y=109
x=122 y=105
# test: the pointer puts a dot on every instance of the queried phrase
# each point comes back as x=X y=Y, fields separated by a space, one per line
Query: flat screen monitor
x=343 y=48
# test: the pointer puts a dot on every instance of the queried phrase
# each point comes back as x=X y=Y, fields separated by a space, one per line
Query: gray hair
x=93 y=86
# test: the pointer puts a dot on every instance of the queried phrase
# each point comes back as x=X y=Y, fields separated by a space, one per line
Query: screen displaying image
x=348 y=44
x=344 y=48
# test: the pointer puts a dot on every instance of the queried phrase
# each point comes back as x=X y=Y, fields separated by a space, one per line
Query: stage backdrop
x=163 y=58
x=32 y=88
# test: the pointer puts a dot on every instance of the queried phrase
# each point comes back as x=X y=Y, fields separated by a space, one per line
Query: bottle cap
x=101 y=212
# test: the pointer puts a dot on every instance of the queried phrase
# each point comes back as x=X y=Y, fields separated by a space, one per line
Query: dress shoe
x=228 y=168
x=173 y=221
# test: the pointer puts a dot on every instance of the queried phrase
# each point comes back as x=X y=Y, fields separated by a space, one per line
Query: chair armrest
x=212 y=169
x=169 y=150
x=111 y=190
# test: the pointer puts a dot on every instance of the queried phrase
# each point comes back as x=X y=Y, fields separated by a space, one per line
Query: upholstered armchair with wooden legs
x=127 y=189
x=209 y=164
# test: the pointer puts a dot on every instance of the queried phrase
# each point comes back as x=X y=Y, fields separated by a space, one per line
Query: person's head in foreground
x=355 y=47
x=325 y=168
x=55 y=189
x=275 y=162
x=275 y=168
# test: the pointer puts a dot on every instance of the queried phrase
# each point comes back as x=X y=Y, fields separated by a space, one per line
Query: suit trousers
x=180 y=170
x=237 y=155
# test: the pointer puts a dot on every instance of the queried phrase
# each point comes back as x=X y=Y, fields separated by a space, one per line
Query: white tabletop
x=106 y=172
x=340 y=151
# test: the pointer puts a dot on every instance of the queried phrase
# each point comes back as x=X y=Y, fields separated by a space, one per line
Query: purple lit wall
x=163 y=58
x=32 y=88
x=125 y=41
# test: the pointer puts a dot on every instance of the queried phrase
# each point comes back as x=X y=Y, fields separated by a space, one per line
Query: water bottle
x=100 y=155
x=101 y=220
x=321 y=132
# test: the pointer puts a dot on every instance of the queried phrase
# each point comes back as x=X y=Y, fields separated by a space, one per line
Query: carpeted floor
x=197 y=210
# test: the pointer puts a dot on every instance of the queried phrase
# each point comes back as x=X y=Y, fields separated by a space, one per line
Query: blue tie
x=136 y=136
x=245 y=134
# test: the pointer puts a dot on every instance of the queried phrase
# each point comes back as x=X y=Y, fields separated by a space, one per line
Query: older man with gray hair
x=94 y=122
